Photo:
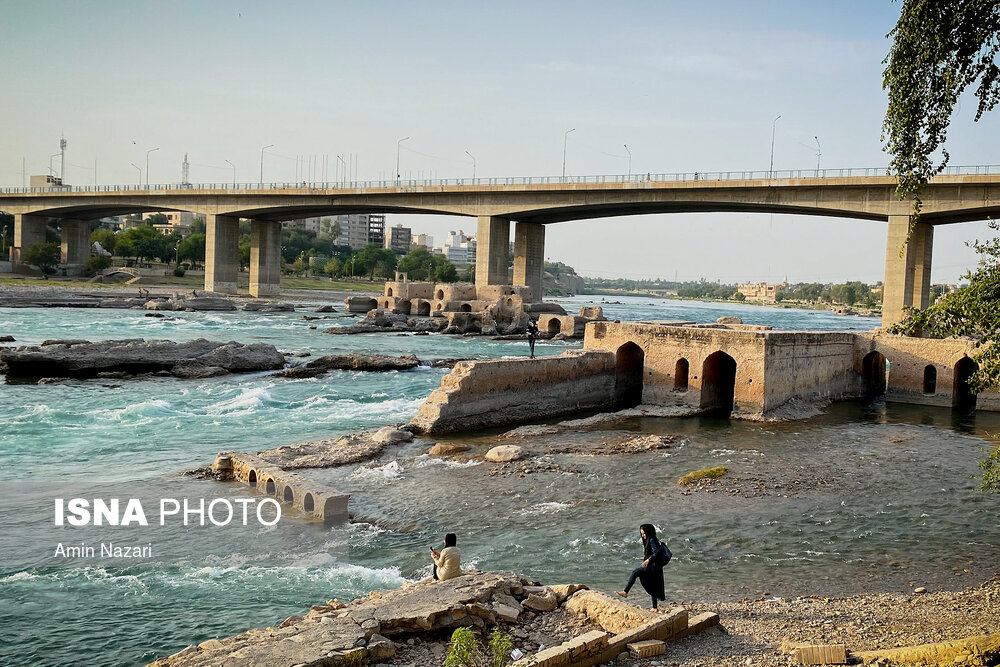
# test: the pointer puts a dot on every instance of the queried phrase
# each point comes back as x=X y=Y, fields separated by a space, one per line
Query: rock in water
x=504 y=453
x=351 y=362
x=196 y=358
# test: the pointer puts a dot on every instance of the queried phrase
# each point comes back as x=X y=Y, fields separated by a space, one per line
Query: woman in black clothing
x=650 y=575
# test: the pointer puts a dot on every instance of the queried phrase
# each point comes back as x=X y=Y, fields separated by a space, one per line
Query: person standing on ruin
x=447 y=563
x=650 y=574
x=532 y=336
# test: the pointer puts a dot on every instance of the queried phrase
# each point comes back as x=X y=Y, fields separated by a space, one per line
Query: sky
x=686 y=86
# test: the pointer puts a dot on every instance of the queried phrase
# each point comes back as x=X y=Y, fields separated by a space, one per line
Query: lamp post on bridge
x=629 y=178
x=819 y=152
x=151 y=150
x=261 y=182
x=138 y=170
x=565 y=139
x=473 y=164
x=770 y=169
x=234 y=172
x=398 y=144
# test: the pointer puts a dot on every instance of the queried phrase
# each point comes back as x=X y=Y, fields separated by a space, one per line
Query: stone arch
x=308 y=504
x=554 y=326
x=629 y=365
x=388 y=291
x=962 y=396
x=269 y=486
x=466 y=308
x=930 y=379
x=404 y=306
x=874 y=373
x=372 y=303
x=439 y=295
x=424 y=308
x=718 y=384
x=288 y=495
x=681 y=370
x=252 y=477
x=510 y=302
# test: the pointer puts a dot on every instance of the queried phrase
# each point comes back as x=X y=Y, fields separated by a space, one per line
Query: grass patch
x=718 y=472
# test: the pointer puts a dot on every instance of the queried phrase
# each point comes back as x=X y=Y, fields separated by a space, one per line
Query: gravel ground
x=763 y=632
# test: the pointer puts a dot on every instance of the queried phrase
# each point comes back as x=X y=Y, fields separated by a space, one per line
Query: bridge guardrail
x=856 y=172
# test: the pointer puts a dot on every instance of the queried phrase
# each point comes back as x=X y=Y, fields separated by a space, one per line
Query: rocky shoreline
x=570 y=625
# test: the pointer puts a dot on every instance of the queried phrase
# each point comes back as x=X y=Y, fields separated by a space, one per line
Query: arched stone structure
x=930 y=379
x=718 y=384
x=963 y=398
x=629 y=369
x=681 y=370
x=874 y=374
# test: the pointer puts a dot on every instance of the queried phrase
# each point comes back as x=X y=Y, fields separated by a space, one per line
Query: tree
x=740 y=296
x=974 y=312
x=419 y=264
x=373 y=259
x=333 y=267
x=98 y=263
x=197 y=226
x=940 y=48
x=144 y=243
x=45 y=256
x=192 y=248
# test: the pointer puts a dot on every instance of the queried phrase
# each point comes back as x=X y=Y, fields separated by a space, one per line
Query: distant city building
x=398 y=239
x=309 y=224
x=459 y=249
x=177 y=221
x=421 y=241
x=46 y=181
x=762 y=292
x=360 y=229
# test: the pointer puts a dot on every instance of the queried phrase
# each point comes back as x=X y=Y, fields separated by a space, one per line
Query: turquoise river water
x=864 y=497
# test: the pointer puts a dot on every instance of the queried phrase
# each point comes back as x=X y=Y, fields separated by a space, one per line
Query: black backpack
x=665 y=553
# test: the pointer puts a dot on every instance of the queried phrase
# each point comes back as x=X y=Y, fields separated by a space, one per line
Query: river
x=864 y=497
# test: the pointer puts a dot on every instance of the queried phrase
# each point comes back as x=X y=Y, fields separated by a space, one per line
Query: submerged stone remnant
x=351 y=362
x=123 y=358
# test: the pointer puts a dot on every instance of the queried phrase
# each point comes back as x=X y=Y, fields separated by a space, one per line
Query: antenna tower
x=185 y=171
x=62 y=165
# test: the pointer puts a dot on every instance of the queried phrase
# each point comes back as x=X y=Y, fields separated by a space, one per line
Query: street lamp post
x=344 y=172
x=629 y=162
x=473 y=164
x=138 y=170
x=398 y=144
x=151 y=150
x=819 y=152
x=261 y=182
x=770 y=169
x=234 y=172
x=565 y=139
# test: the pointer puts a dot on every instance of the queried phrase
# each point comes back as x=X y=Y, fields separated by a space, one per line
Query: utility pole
x=565 y=139
x=770 y=169
x=629 y=162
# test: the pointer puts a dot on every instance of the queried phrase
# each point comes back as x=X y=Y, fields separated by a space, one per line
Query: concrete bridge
x=961 y=194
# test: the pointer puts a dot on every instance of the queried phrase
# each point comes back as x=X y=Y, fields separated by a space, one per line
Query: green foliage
x=373 y=261
x=333 y=267
x=557 y=269
x=179 y=271
x=98 y=262
x=465 y=651
x=197 y=226
x=717 y=472
x=991 y=472
x=192 y=248
x=419 y=264
x=145 y=243
x=740 y=296
x=43 y=255
x=940 y=47
x=973 y=311
x=156 y=219
x=107 y=238
x=705 y=289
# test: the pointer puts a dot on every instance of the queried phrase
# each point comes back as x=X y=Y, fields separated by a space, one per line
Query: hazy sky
x=687 y=86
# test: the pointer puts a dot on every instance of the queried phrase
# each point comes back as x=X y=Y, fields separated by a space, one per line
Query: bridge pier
x=75 y=242
x=529 y=257
x=907 y=277
x=265 y=258
x=222 y=253
x=28 y=230
x=492 y=245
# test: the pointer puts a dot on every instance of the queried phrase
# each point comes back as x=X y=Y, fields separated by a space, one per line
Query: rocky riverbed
x=198 y=358
x=411 y=626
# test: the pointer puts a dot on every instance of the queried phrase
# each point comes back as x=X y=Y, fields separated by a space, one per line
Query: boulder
x=325 y=308
x=389 y=435
x=505 y=453
x=544 y=601
x=7 y=339
x=268 y=307
x=351 y=362
x=729 y=320
x=447 y=449
x=196 y=358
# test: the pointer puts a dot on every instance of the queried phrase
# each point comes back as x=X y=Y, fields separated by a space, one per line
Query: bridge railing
x=637 y=179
